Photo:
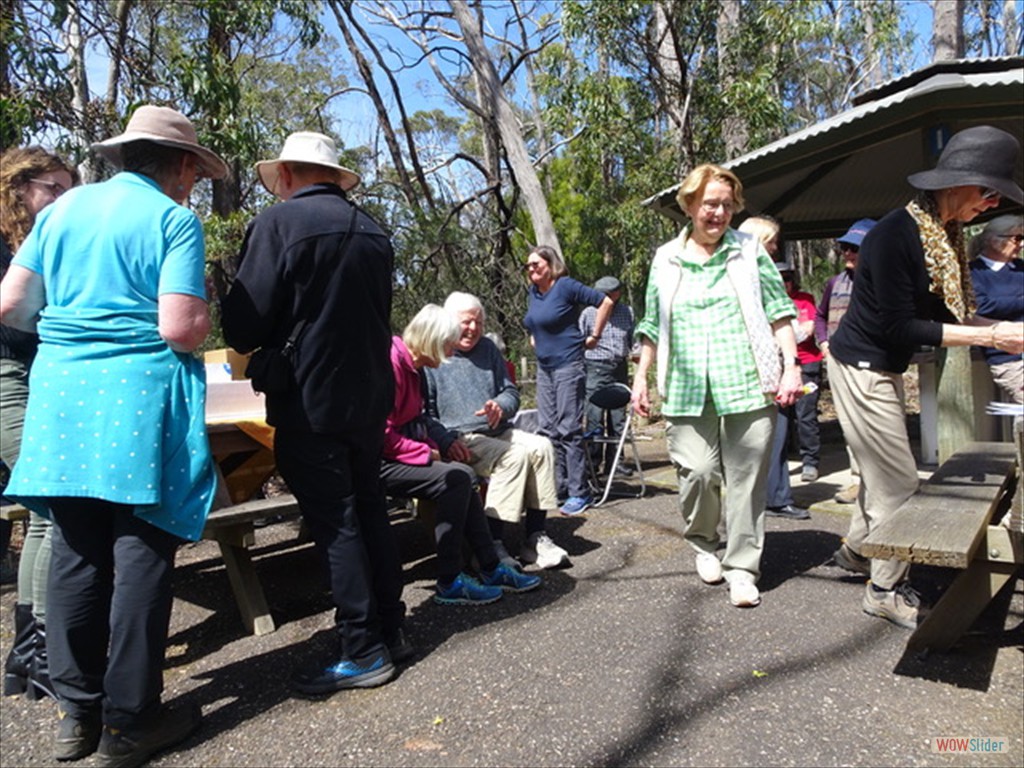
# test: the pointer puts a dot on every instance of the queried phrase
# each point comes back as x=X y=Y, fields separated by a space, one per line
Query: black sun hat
x=981 y=155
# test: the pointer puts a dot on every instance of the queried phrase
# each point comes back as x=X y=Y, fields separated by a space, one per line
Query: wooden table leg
x=234 y=542
x=960 y=605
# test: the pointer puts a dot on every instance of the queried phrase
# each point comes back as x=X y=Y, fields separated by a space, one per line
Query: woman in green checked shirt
x=717 y=315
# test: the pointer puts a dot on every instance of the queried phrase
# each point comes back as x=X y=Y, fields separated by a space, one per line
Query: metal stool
x=610 y=398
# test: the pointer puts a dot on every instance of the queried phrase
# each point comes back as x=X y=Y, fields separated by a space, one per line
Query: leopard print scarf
x=944 y=256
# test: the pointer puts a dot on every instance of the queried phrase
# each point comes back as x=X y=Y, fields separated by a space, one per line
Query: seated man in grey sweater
x=473 y=396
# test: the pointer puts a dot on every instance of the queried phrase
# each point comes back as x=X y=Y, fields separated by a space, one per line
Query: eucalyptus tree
x=993 y=27
x=462 y=178
x=205 y=57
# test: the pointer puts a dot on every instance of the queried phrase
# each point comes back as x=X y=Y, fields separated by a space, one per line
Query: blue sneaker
x=575 y=505
x=466 y=590
x=511 y=580
x=342 y=674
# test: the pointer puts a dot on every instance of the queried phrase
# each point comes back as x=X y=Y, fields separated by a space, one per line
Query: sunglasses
x=1017 y=239
x=52 y=187
x=533 y=266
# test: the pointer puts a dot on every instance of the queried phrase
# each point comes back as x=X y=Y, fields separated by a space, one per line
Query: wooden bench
x=13 y=512
x=953 y=521
x=234 y=529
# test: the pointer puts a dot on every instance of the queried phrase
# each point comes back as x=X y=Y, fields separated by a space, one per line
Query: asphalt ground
x=625 y=658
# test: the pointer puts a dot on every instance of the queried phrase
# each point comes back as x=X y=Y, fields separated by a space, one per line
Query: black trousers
x=108 y=610
x=460 y=512
x=336 y=481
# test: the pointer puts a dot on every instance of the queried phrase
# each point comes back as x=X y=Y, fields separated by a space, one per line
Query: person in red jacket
x=804 y=413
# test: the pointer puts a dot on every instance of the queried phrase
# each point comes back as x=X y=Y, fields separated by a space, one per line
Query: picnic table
x=967 y=516
x=242 y=447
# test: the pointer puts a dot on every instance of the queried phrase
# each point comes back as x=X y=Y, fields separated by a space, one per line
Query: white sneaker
x=709 y=568
x=743 y=592
x=540 y=549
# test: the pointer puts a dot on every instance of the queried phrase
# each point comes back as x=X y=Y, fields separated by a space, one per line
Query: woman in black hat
x=913 y=289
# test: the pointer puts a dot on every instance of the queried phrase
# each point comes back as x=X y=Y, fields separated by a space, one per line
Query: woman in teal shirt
x=114 y=447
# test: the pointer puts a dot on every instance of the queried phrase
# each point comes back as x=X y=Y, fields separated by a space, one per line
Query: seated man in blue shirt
x=473 y=396
x=997 y=275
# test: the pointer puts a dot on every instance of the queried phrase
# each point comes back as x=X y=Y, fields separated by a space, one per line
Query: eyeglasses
x=710 y=206
x=533 y=266
x=1018 y=239
x=52 y=187
x=987 y=193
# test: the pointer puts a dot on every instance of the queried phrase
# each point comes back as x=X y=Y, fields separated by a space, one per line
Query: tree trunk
x=508 y=126
x=873 y=75
x=121 y=9
x=947 y=30
x=735 y=131
x=673 y=86
x=76 y=48
x=227 y=192
x=1011 y=32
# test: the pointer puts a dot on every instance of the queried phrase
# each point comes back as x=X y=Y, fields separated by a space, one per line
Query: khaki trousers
x=521 y=470
x=711 y=450
x=872 y=414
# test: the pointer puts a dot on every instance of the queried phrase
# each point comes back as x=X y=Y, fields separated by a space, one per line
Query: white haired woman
x=413 y=466
x=717 y=316
x=997 y=274
x=912 y=290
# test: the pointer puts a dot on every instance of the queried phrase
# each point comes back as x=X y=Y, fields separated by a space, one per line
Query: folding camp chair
x=610 y=398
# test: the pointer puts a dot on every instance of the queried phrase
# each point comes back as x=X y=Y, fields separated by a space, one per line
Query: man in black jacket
x=317 y=263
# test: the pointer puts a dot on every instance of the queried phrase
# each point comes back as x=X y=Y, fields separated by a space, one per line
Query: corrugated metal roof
x=818 y=180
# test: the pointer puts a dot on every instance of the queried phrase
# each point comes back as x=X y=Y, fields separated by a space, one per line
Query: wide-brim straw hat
x=981 y=155
x=162 y=125
x=311 y=148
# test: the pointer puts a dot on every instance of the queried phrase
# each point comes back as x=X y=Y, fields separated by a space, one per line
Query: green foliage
x=34 y=78
x=224 y=236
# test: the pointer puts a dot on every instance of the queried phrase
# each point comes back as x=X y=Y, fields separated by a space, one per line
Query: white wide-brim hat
x=162 y=125
x=306 y=147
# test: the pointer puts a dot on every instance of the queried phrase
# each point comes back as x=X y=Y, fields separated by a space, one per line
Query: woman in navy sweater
x=552 y=318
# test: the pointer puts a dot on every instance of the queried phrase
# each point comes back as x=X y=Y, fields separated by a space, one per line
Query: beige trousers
x=521 y=471
x=711 y=450
x=872 y=414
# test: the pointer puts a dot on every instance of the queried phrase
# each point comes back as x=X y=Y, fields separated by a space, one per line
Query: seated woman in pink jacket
x=415 y=449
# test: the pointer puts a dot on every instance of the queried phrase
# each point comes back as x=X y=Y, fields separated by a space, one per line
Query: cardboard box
x=233 y=361
x=233 y=400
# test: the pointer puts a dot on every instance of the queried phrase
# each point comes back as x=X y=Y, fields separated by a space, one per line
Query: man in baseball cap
x=835 y=299
x=606 y=364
